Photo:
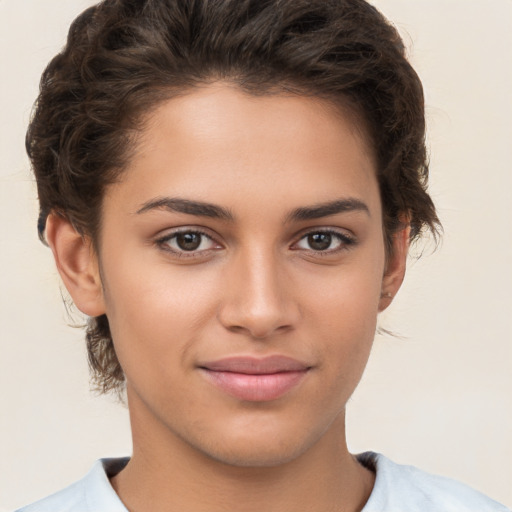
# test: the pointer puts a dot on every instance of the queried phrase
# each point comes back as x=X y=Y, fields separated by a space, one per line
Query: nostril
x=258 y=330
x=259 y=301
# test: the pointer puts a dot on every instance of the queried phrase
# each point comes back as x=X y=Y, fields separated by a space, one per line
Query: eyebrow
x=320 y=210
x=202 y=209
x=199 y=208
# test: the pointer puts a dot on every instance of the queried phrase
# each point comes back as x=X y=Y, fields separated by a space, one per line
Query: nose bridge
x=257 y=298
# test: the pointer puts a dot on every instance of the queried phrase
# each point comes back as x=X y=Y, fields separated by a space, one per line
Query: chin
x=257 y=447
x=256 y=455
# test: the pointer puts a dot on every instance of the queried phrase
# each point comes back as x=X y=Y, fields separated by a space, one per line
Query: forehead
x=220 y=109
x=218 y=143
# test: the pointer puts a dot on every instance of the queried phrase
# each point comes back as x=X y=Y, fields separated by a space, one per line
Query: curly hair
x=124 y=57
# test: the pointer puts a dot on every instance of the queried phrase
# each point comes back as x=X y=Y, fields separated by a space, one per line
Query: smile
x=255 y=380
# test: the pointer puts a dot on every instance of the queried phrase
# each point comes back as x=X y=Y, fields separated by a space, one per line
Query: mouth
x=254 y=379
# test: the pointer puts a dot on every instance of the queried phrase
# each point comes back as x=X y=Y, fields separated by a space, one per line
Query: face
x=242 y=264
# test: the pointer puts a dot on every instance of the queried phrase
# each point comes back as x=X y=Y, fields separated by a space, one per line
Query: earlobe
x=395 y=267
x=77 y=264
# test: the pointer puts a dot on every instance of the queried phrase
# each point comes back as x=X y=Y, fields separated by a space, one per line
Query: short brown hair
x=124 y=57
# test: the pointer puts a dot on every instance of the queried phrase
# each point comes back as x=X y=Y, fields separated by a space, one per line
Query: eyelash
x=163 y=243
x=346 y=241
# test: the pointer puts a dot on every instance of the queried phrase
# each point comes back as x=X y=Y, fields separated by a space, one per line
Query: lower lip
x=255 y=388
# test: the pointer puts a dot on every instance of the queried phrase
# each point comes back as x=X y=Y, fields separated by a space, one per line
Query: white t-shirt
x=397 y=489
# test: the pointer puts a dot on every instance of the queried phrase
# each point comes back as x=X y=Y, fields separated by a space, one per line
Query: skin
x=256 y=286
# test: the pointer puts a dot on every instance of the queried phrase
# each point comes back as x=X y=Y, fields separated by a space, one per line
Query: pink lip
x=253 y=379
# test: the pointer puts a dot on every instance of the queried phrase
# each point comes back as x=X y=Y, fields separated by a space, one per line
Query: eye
x=328 y=241
x=187 y=241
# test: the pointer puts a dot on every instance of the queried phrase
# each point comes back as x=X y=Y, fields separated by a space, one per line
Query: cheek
x=346 y=344
x=342 y=314
x=346 y=297
x=348 y=326
x=155 y=311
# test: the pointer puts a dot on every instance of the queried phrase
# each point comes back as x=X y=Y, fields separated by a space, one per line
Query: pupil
x=319 y=241
x=188 y=241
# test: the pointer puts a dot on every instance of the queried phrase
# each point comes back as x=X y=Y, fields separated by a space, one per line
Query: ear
x=395 y=267
x=77 y=264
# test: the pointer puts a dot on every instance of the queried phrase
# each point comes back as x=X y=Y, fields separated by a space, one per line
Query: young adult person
x=229 y=189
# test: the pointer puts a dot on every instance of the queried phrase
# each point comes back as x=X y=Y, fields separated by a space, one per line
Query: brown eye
x=325 y=242
x=191 y=243
x=319 y=241
x=188 y=241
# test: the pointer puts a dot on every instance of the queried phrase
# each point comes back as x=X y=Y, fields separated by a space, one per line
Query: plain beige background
x=438 y=397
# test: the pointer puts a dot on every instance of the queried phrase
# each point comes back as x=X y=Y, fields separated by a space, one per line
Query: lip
x=255 y=379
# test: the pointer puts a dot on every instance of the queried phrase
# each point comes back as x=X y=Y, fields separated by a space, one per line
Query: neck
x=166 y=474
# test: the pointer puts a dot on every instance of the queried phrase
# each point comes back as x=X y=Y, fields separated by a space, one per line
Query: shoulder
x=90 y=494
x=406 y=488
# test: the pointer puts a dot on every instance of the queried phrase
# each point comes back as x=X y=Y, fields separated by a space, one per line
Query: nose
x=258 y=298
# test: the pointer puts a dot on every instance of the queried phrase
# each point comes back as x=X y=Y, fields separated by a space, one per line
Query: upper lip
x=256 y=366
